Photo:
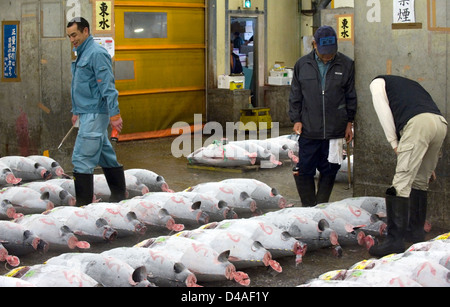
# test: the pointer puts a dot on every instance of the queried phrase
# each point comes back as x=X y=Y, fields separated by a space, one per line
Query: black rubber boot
x=116 y=182
x=84 y=188
x=397 y=221
x=306 y=188
x=417 y=216
x=325 y=187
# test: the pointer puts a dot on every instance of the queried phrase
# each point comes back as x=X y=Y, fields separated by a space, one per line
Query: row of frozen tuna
x=15 y=169
x=60 y=227
x=38 y=196
x=268 y=153
x=424 y=264
x=214 y=251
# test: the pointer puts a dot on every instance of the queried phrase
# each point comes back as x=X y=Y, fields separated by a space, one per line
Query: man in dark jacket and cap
x=322 y=106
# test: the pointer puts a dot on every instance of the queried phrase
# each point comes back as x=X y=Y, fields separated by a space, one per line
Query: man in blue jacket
x=322 y=106
x=95 y=105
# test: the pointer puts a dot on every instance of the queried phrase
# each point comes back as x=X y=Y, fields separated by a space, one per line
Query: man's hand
x=74 y=119
x=117 y=123
x=349 y=132
x=298 y=128
x=433 y=177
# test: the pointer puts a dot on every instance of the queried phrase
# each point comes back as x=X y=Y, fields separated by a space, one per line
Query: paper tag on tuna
x=445 y=236
x=329 y=275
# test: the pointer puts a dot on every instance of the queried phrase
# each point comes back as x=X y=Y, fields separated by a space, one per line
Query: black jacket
x=324 y=114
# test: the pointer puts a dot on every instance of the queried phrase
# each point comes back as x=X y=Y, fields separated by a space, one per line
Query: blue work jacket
x=93 y=84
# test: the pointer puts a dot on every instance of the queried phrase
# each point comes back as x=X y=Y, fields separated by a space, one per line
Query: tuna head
x=139 y=227
x=108 y=233
x=184 y=274
x=7 y=210
x=202 y=217
x=66 y=198
x=29 y=238
x=44 y=173
x=245 y=201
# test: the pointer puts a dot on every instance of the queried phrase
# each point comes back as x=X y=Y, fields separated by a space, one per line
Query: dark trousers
x=313 y=155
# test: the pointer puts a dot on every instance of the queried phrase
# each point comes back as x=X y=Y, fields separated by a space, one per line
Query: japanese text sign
x=345 y=27
x=404 y=11
x=10 y=52
x=104 y=17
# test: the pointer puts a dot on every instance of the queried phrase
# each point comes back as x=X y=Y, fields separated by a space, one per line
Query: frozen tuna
x=222 y=155
x=4 y=256
x=51 y=165
x=217 y=210
x=69 y=186
x=236 y=198
x=101 y=188
x=134 y=186
x=26 y=200
x=107 y=271
x=277 y=147
x=182 y=209
x=84 y=224
x=120 y=218
x=20 y=241
x=199 y=258
x=369 y=223
x=316 y=283
x=264 y=157
x=7 y=210
x=153 y=181
x=12 y=282
x=44 y=275
x=7 y=175
x=374 y=278
x=425 y=271
x=50 y=229
x=373 y=205
x=244 y=252
x=278 y=242
x=151 y=213
x=66 y=184
x=347 y=233
x=162 y=270
x=264 y=196
x=25 y=168
x=57 y=195
x=314 y=234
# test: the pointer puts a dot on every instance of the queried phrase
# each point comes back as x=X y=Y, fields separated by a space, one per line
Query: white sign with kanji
x=404 y=11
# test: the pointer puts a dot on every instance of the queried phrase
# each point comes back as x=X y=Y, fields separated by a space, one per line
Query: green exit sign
x=247 y=4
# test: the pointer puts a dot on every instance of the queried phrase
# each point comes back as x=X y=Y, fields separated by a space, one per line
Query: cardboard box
x=280 y=81
x=224 y=81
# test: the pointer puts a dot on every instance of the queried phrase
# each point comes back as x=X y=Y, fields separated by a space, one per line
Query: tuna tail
x=241 y=278
x=11 y=179
x=13 y=261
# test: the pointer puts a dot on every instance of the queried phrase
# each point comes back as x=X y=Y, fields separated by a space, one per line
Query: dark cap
x=326 y=40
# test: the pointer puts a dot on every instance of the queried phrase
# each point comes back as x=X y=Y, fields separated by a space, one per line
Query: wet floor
x=156 y=155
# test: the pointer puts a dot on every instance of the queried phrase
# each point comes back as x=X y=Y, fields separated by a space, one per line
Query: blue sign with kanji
x=10 y=51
